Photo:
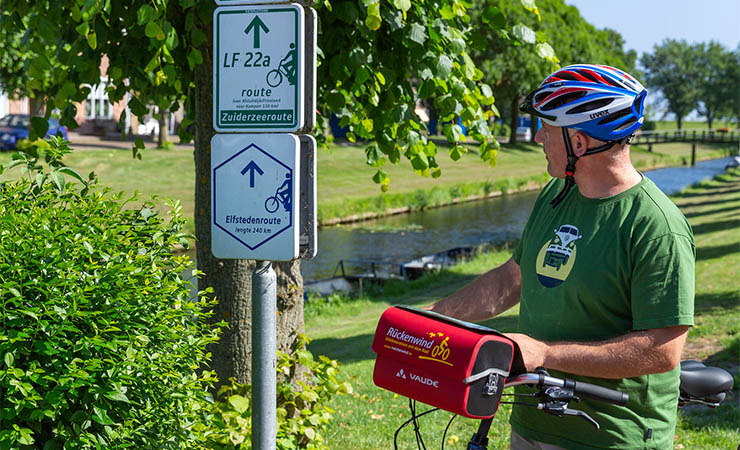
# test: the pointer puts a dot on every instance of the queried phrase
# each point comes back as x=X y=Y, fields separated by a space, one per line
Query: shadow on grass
x=711 y=190
x=709 y=303
x=715 y=226
x=718 y=251
x=700 y=204
x=735 y=208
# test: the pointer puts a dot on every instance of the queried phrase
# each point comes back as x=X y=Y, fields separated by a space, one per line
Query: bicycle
x=700 y=384
x=403 y=366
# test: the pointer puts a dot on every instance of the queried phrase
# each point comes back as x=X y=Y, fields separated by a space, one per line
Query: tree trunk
x=514 y=119
x=164 y=129
x=36 y=107
x=678 y=121
x=231 y=279
x=532 y=128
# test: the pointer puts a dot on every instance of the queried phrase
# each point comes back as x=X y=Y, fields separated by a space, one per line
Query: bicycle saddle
x=698 y=380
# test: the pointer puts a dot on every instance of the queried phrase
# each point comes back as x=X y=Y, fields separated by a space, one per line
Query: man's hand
x=532 y=351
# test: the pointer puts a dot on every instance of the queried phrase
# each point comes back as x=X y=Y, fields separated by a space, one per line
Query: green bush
x=302 y=414
x=102 y=343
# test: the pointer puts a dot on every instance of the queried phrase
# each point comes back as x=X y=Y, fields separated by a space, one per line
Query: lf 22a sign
x=258 y=67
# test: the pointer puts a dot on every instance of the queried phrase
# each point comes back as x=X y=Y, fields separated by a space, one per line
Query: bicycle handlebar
x=580 y=388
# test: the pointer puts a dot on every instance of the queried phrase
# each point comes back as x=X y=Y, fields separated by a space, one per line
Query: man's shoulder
x=655 y=216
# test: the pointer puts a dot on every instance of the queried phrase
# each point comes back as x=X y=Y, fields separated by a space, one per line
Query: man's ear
x=580 y=143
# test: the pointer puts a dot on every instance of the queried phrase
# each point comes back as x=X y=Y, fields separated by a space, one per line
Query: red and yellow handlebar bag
x=454 y=365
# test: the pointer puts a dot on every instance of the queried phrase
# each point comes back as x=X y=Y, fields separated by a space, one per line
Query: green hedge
x=101 y=341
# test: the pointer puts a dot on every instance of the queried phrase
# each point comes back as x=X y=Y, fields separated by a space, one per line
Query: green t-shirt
x=595 y=269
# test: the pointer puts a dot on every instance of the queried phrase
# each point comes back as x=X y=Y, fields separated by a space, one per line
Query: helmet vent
x=564 y=75
x=541 y=96
x=617 y=115
x=562 y=100
x=590 y=106
x=585 y=74
x=626 y=125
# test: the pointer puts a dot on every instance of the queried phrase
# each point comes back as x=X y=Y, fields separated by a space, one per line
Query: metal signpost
x=263 y=186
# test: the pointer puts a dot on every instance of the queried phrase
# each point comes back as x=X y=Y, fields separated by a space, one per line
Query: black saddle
x=706 y=384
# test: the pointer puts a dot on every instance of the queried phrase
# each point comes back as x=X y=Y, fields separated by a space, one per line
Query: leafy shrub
x=302 y=414
x=101 y=340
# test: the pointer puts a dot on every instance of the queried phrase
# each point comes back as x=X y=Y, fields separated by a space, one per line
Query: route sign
x=258 y=68
x=254 y=184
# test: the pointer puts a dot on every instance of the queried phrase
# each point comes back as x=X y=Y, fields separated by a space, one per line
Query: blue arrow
x=252 y=168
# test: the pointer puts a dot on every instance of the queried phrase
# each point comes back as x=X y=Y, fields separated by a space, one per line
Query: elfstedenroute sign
x=254 y=184
x=258 y=68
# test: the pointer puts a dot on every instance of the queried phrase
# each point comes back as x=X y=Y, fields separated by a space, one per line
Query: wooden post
x=693 y=154
x=650 y=147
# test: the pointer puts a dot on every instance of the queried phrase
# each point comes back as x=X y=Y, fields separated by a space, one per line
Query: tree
x=673 y=69
x=717 y=87
x=514 y=69
x=379 y=57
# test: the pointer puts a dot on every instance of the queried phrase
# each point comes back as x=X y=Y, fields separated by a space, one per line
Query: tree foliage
x=701 y=76
x=672 y=69
x=557 y=33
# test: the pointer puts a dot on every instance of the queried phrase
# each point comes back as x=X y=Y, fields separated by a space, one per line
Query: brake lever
x=556 y=401
x=578 y=413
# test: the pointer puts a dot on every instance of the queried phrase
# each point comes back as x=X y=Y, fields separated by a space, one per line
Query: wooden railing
x=703 y=136
x=690 y=136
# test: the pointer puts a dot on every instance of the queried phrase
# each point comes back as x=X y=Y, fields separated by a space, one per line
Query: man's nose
x=538 y=137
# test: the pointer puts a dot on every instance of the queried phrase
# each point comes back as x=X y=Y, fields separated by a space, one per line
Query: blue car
x=14 y=127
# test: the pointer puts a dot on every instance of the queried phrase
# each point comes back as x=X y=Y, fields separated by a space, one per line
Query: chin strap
x=570 y=170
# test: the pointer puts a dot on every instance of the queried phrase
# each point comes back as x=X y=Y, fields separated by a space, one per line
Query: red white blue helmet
x=601 y=101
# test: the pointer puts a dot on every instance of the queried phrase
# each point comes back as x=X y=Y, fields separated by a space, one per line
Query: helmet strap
x=570 y=170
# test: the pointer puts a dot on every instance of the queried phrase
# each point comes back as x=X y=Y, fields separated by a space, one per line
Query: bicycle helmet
x=600 y=101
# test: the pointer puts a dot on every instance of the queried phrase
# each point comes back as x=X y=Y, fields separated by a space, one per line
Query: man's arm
x=492 y=293
x=638 y=353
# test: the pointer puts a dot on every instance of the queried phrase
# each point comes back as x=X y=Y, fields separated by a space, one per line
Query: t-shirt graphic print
x=557 y=257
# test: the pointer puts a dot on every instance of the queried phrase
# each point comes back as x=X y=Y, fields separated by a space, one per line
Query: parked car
x=523 y=134
x=15 y=127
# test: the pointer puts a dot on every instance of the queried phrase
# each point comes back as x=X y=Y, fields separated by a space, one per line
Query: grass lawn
x=342 y=328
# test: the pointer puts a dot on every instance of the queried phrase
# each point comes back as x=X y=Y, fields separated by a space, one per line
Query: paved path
x=82 y=141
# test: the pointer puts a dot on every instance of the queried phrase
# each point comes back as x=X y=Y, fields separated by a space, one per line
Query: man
x=604 y=271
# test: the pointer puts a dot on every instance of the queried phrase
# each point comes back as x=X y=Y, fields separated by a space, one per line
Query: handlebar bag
x=454 y=365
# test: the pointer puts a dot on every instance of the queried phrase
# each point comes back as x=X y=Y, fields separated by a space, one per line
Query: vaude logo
x=599 y=114
x=418 y=379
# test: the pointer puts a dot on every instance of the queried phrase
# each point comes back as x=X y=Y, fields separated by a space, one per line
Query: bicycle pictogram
x=286 y=68
x=282 y=196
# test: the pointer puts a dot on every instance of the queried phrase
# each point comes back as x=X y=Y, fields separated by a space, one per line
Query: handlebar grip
x=600 y=393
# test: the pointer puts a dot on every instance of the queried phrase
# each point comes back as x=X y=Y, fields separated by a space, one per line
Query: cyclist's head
x=601 y=101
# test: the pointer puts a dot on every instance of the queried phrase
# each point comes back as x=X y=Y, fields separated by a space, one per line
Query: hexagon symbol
x=254 y=193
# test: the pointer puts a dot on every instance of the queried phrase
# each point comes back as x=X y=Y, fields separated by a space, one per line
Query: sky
x=644 y=23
